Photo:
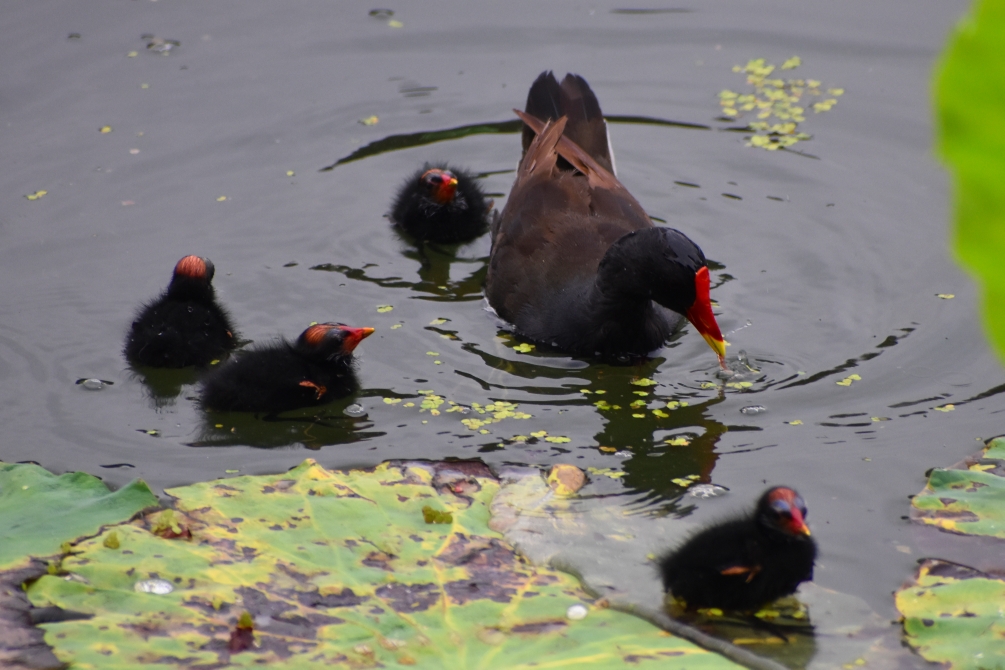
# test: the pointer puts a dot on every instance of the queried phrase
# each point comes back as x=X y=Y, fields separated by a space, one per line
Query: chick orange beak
x=700 y=314
x=353 y=337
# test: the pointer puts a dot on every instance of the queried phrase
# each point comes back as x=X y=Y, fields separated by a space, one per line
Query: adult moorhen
x=745 y=563
x=314 y=370
x=441 y=204
x=184 y=325
x=576 y=263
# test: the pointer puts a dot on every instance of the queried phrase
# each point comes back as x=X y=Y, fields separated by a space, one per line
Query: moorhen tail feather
x=548 y=100
x=745 y=563
x=441 y=204
x=576 y=262
x=185 y=325
x=284 y=375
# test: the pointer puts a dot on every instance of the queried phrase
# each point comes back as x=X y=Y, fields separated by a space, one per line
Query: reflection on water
x=311 y=428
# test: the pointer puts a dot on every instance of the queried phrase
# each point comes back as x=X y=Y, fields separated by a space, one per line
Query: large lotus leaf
x=971 y=125
x=39 y=510
x=968 y=499
x=952 y=615
x=336 y=569
x=611 y=547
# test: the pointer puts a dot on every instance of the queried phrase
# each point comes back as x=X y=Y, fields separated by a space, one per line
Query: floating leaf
x=565 y=480
x=952 y=615
x=383 y=309
x=524 y=348
x=39 y=511
x=945 y=408
x=221 y=198
x=36 y=195
x=290 y=173
x=967 y=501
x=643 y=382
x=945 y=296
x=792 y=63
x=315 y=568
x=105 y=129
x=557 y=439
x=795 y=422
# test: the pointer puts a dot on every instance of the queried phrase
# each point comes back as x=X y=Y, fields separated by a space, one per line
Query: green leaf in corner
x=971 y=135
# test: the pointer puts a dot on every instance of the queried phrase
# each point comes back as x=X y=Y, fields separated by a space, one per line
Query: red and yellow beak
x=353 y=337
x=700 y=315
x=798 y=526
x=443 y=184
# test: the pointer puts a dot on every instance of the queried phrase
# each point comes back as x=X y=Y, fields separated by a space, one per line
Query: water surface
x=825 y=266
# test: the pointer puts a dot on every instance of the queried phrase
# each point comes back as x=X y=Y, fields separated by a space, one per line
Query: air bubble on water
x=753 y=409
x=355 y=411
x=707 y=491
x=92 y=384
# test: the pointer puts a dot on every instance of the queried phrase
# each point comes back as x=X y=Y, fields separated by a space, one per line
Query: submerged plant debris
x=779 y=105
x=388 y=567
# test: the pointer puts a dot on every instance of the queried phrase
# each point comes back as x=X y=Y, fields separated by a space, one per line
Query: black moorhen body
x=576 y=263
x=746 y=563
x=314 y=370
x=185 y=325
x=441 y=204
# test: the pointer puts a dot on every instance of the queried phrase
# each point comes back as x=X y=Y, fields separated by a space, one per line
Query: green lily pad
x=971 y=131
x=39 y=510
x=969 y=498
x=952 y=615
x=336 y=569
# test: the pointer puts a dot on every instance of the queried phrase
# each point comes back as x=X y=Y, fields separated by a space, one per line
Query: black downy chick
x=314 y=370
x=184 y=325
x=743 y=564
x=441 y=204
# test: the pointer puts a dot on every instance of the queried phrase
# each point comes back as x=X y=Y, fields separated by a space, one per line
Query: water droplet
x=707 y=491
x=753 y=409
x=576 y=612
x=355 y=411
x=159 y=587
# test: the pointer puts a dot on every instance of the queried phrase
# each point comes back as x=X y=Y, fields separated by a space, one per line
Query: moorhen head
x=184 y=325
x=314 y=370
x=744 y=563
x=576 y=262
x=441 y=204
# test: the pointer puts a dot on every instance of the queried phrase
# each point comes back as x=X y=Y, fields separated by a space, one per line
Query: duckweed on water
x=780 y=104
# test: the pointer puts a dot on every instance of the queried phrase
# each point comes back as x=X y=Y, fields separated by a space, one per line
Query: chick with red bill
x=442 y=204
x=185 y=325
x=314 y=370
x=745 y=563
